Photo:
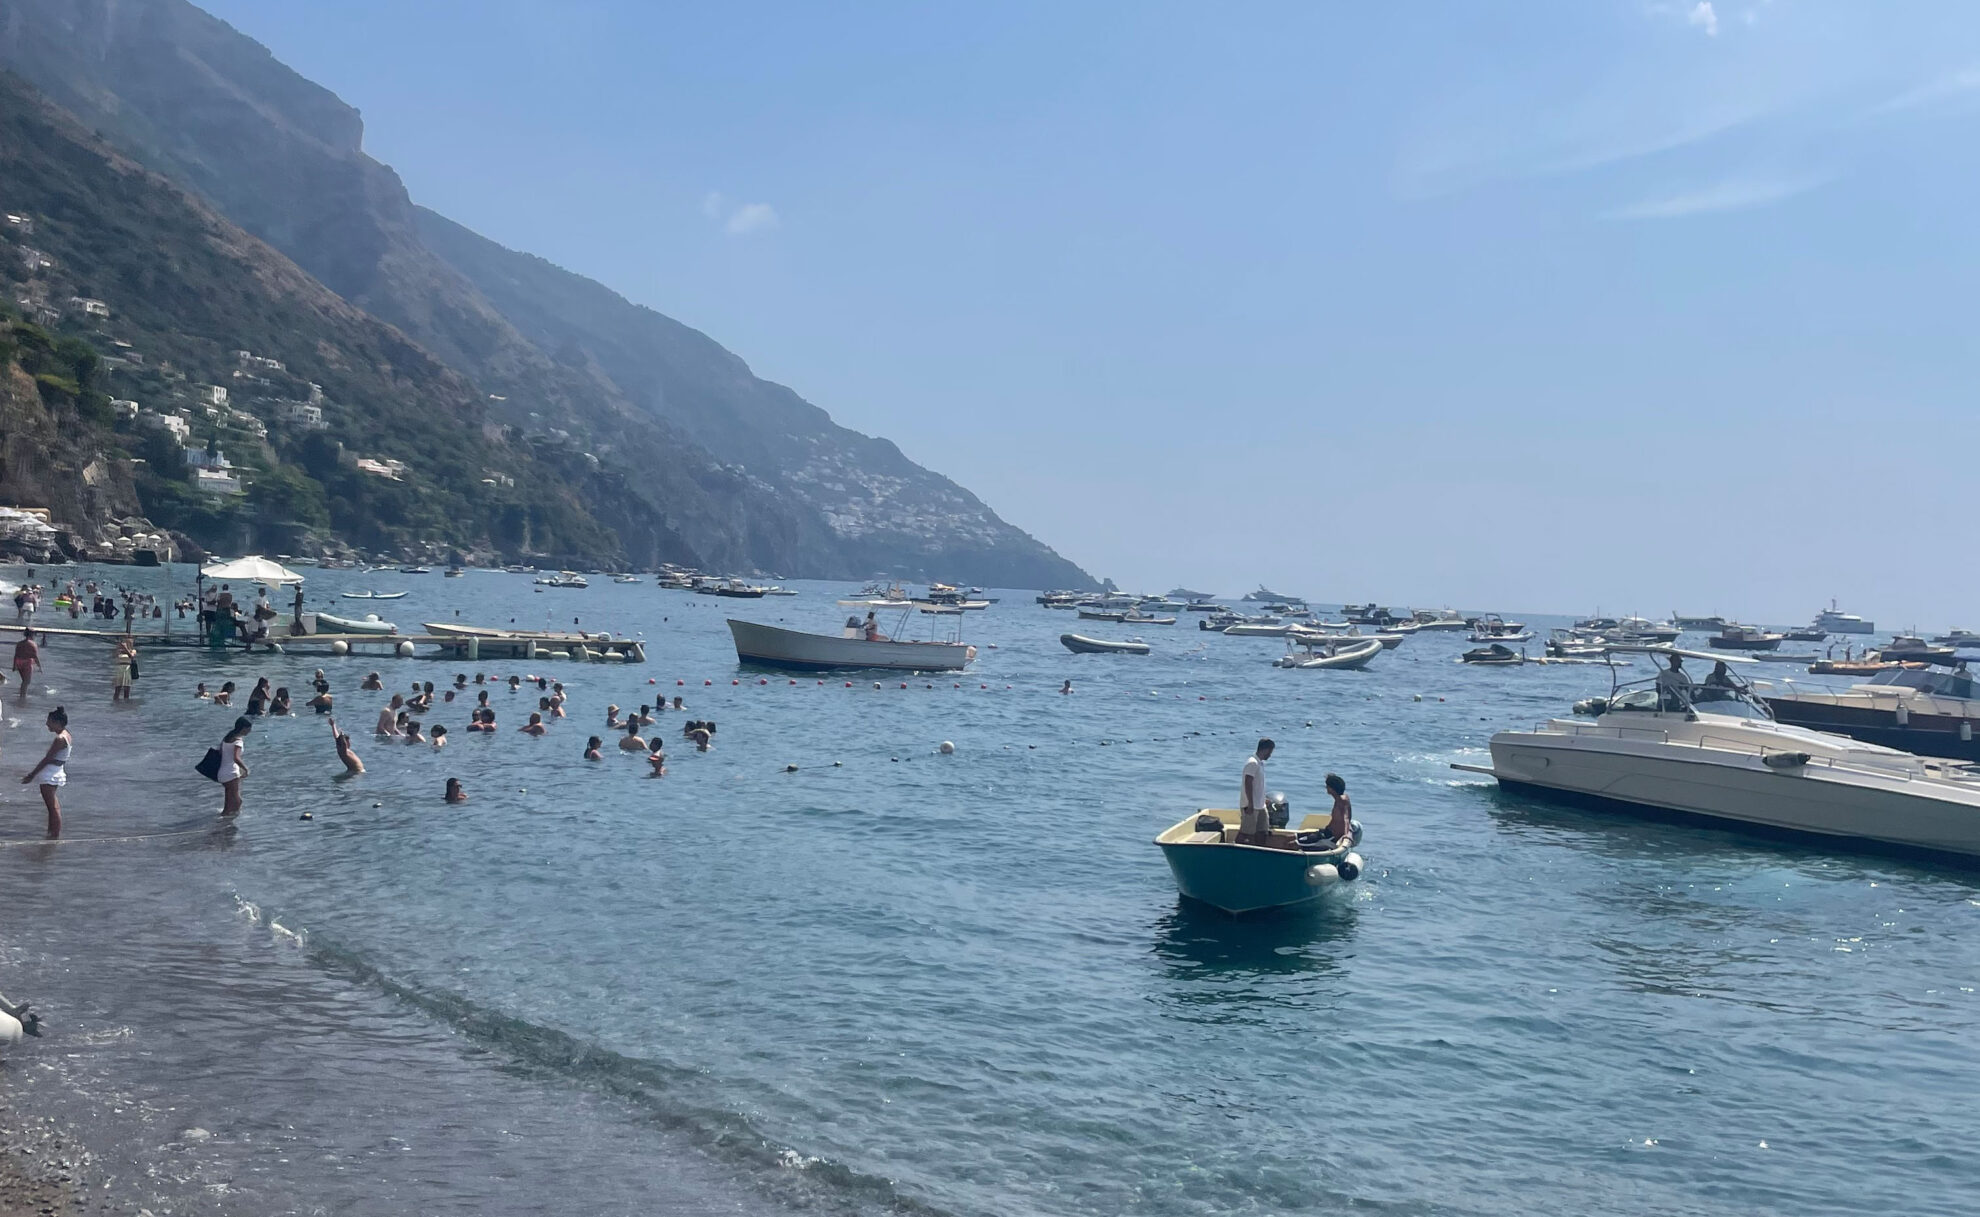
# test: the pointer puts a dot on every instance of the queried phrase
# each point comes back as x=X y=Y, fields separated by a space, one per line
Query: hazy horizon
x=1638 y=304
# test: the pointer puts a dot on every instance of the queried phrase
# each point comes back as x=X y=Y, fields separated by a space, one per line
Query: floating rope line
x=147 y=836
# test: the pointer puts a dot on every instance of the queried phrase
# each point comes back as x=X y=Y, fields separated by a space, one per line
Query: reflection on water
x=1203 y=944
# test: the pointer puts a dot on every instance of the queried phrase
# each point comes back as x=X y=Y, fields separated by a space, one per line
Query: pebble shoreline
x=42 y=1168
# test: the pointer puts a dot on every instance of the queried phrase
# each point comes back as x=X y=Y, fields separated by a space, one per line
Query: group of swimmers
x=396 y=721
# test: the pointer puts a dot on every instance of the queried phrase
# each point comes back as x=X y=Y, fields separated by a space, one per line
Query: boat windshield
x=1673 y=690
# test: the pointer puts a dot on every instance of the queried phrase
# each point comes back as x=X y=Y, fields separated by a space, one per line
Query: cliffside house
x=35 y=261
x=124 y=408
x=216 y=481
x=300 y=414
x=22 y=224
x=211 y=395
x=395 y=470
x=89 y=308
x=207 y=458
x=248 y=359
x=174 y=425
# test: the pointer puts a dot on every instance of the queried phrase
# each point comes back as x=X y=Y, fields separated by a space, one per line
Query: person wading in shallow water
x=49 y=773
x=27 y=657
x=233 y=765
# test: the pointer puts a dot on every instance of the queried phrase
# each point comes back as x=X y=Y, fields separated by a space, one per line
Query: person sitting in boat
x=872 y=628
x=1254 y=821
x=1340 y=825
x=1674 y=686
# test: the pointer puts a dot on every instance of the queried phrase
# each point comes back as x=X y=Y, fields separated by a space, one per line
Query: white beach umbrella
x=251 y=569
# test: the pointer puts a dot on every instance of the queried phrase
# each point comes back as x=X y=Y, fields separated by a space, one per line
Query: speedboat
x=1439 y=619
x=373 y=595
x=1494 y=628
x=414 y=570
x=626 y=579
x=1903 y=647
x=1574 y=644
x=1390 y=639
x=1297 y=866
x=1498 y=655
x=1257 y=629
x=1643 y=630
x=1686 y=622
x=1080 y=644
x=562 y=578
x=1958 y=638
x=454 y=572
x=1736 y=637
x=1831 y=621
x=1714 y=750
x=1325 y=651
x=1911 y=707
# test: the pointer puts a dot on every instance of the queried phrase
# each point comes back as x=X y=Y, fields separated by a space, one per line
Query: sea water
x=899 y=981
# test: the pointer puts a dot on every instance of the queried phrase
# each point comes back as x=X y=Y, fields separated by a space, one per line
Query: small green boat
x=1299 y=866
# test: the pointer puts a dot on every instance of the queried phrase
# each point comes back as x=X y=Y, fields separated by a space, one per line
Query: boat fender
x=947 y=748
x=340 y=647
x=1785 y=760
x=405 y=650
x=1966 y=732
x=1903 y=715
x=1321 y=874
x=1350 y=867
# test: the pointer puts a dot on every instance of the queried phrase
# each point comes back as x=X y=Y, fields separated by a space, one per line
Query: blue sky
x=1526 y=307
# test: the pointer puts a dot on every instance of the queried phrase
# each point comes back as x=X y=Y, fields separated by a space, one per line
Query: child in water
x=1340 y=826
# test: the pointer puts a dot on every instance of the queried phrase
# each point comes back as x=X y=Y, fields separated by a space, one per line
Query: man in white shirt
x=1254 y=823
x=1674 y=686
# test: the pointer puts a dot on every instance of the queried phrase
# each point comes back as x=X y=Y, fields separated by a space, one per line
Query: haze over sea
x=894 y=981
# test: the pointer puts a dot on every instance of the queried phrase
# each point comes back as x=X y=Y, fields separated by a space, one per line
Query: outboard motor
x=1278 y=810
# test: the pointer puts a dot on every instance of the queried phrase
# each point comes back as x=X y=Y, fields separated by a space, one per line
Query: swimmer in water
x=658 y=759
x=388 y=718
x=372 y=684
x=534 y=726
x=1066 y=688
x=612 y=718
x=225 y=697
x=345 y=753
x=439 y=737
x=454 y=792
x=412 y=734
x=201 y=692
x=630 y=741
x=515 y=682
x=591 y=752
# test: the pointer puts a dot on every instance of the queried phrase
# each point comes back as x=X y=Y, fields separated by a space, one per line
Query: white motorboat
x=1713 y=750
x=374 y=595
x=1494 y=628
x=793 y=650
x=1345 y=654
x=1495 y=655
x=1256 y=629
x=1438 y=619
x=368 y=624
x=626 y=579
x=1736 y=637
x=1080 y=644
x=1390 y=639
x=563 y=578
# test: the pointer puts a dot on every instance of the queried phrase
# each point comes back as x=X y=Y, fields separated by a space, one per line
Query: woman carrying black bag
x=227 y=766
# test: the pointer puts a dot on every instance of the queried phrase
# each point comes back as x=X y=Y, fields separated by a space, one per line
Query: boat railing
x=1905 y=768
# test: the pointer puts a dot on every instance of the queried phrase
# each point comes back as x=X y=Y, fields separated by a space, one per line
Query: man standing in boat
x=1255 y=822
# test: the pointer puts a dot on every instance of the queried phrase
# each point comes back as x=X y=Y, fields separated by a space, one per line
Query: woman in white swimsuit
x=233 y=766
x=49 y=773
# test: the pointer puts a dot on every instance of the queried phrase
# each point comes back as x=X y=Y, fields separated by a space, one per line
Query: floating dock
x=439 y=642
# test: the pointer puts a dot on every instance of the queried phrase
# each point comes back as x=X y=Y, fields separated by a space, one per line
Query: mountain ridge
x=750 y=473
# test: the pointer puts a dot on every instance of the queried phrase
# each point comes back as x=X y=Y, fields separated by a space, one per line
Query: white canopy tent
x=251 y=569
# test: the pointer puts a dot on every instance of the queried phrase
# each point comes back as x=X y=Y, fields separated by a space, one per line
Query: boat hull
x=1737 y=788
x=329 y=624
x=793 y=650
x=1079 y=644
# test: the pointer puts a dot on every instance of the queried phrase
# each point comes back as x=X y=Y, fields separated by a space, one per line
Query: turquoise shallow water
x=959 y=984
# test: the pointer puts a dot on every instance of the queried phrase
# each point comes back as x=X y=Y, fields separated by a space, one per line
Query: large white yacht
x=1711 y=748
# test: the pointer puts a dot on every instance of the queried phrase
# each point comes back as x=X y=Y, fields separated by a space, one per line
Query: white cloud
x=1705 y=17
x=738 y=221
x=1733 y=194
x=1951 y=87
x=751 y=217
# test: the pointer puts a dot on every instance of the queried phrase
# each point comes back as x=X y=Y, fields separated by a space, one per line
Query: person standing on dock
x=27 y=657
x=1254 y=821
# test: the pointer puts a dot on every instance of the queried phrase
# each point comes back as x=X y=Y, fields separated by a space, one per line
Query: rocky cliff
x=695 y=446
